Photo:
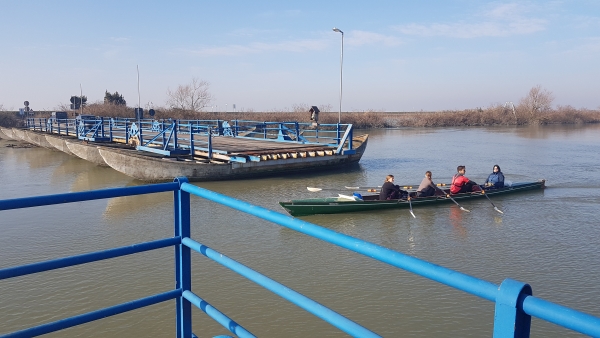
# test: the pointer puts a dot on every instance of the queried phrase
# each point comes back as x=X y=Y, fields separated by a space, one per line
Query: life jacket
x=457 y=183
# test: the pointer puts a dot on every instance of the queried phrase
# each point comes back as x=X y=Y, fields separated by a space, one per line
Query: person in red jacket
x=460 y=182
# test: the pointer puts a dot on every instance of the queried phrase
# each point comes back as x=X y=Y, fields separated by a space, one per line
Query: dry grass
x=494 y=115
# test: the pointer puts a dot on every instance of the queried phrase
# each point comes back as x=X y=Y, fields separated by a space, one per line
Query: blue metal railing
x=514 y=304
x=178 y=137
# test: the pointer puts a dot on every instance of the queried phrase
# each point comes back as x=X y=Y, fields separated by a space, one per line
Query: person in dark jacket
x=496 y=179
x=390 y=191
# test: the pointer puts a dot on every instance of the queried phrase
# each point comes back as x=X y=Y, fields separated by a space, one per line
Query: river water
x=548 y=238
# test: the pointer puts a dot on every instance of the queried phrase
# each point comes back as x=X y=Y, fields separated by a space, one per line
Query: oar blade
x=413 y=214
x=489 y=199
x=463 y=209
x=313 y=189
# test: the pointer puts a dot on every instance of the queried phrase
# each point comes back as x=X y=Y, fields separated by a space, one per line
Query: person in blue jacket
x=496 y=179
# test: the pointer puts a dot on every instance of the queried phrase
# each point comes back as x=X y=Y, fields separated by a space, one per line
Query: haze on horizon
x=270 y=55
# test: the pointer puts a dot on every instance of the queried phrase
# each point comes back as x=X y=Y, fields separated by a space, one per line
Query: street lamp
x=341 y=68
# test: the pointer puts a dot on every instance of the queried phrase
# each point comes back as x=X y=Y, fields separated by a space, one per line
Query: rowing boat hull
x=335 y=205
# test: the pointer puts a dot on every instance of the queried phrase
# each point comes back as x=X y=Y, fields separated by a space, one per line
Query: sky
x=274 y=55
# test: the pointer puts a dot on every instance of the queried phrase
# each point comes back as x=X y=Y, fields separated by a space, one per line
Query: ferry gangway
x=514 y=302
x=176 y=137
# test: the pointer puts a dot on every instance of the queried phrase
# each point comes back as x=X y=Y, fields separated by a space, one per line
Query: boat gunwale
x=329 y=205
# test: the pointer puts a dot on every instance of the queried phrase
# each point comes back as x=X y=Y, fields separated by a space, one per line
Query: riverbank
x=370 y=119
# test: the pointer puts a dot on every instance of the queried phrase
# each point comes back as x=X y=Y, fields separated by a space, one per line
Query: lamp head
x=337 y=30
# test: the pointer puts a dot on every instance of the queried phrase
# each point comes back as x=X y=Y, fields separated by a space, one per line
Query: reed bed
x=495 y=115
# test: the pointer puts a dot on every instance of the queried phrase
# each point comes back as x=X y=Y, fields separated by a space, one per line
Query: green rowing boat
x=343 y=203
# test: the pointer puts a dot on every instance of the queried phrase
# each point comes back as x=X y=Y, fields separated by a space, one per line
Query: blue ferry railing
x=514 y=303
x=176 y=137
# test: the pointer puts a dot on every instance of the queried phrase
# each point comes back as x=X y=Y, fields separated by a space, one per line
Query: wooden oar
x=448 y=195
x=362 y=188
x=313 y=189
x=495 y=208
x=320 y=189
x=376 y=188
x=404 y=187
x=410 y=204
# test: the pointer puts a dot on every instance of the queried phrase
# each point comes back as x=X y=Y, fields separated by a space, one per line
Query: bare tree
x=62 y=107
x=537 y=102
x=326 y=108
x=194 y=96
x=300 y=108
x=1 y=107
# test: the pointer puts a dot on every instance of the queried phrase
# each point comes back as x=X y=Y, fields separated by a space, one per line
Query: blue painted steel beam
x=561 y=315
x=539 y=308
x=466 y=283
x=217 y=315
x=95 y=315
x=283 y=291
x=36 y=201
x=168 y=152
x=87 y=258
x=509 y=318
x=183 y=260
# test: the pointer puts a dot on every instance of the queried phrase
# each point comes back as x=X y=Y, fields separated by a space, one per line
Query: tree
x=116 y=99
x=77 y=101
x=538 y=101
x=193 y=96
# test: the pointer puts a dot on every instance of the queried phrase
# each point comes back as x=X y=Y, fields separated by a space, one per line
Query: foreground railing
x=514 y=304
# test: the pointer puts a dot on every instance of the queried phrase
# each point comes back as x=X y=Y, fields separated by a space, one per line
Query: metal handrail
x=514 y=303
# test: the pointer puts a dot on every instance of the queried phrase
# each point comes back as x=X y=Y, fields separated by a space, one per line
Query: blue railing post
x=140 y=132
x=162 y=130
x=110 y=128
x=509 y=319
x=175 y=127
x=350 y=137
x=192 y=144
x=102 y=126
x=183 y=260
x=210 y=154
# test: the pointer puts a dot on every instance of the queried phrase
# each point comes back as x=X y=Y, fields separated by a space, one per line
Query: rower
x=390 y=191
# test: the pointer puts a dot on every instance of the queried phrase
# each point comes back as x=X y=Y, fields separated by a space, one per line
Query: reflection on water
x=456 y=219
x=123 y=207
x=95 y=177
x=38 y=157
x=546 y=238
x=547 y=132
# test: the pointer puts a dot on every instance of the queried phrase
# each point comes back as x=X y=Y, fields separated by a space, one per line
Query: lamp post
x=341 y=68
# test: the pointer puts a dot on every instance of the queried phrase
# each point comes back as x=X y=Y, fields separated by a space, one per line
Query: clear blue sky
x=267 y=55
